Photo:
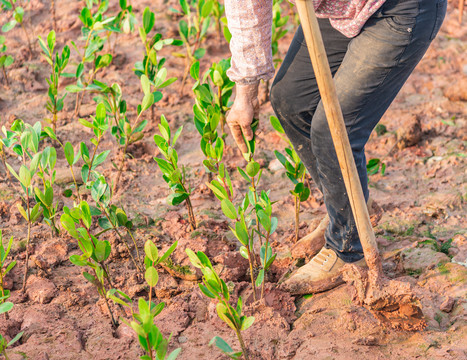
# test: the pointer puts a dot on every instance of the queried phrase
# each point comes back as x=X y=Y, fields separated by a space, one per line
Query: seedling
x=114 y=217
x=209 y=110
x=18 y=18
x=94 y=251
x=93 y=25
x=24 y=140
x=125 y=131
x=295 y=171
x=193 y=29
x=5 y=60
x=46 y=172
x=4 y=309
x=5 y=268
x=152 y=66
x=218 y=11
x=173 y=175
x=71 y=159
x=279 y=30
x=269 y=223
x=213 y=99
x=215 y=288
x=124 y=22
x=99 y=126
x=150 y=338
x=58 y=64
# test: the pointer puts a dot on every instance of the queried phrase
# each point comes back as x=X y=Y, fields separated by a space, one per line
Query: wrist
x=247 y=91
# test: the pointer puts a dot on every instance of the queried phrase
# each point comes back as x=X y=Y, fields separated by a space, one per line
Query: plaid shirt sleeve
x=250 y=24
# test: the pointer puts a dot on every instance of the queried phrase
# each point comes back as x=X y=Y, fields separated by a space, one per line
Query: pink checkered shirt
x=250 y=23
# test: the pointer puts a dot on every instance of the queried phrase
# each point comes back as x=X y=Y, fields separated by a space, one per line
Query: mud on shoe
x=322 y=273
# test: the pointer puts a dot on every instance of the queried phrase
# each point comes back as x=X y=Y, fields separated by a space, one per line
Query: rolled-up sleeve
x=249 y=22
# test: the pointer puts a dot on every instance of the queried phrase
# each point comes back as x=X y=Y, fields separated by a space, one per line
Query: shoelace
x=322 y=257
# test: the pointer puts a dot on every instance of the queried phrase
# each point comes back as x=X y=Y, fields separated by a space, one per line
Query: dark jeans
x=369 y=70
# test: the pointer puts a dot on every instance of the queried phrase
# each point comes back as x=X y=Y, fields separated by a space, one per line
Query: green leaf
x=221 y=344
x=229 y=209
x=150 y=249
x=168 y=252
x=276 y=124
x=69 y=153
x=260 y=278
x=194 y=259
x=145 y=84
x=15 y=339
x=5 y=307
x=151 y=276
x=247 y=322
x=147 y=102
x=24 y=176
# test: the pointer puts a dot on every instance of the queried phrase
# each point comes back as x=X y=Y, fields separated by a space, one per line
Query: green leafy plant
x=5 y=60
x=125 y=131
x=4 y=267
x=193 y=29
x=93 y=25
x=4 y=344
x=375 y=166
x=71 y=159
x=77 y=222
x=150 y=338
x=58 y=64
x=124 y=22
x=213 y=91
x=295 y=171
x=45 y=197
x=208 y=111
x=152 y=66
x=173 y=175
x=214 y=287
x=218 y=11
x=17 y=14
x=279 y=30
x=24 y=140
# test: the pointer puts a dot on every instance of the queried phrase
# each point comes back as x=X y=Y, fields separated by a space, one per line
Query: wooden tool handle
x=336 y=123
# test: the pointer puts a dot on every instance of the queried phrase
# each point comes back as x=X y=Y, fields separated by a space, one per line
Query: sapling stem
x=122 y=162
x=242 y=345
x=124 y=241
x=191 y=215
x=102 y=292
x=54 y=17
x=264 y=265
x=297 y=215
x=26 y=265
x=252 y=276
x=5 y=77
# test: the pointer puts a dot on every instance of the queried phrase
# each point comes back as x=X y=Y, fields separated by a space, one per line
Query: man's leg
x=378 y=62
x=376 y=65
x=295 y=95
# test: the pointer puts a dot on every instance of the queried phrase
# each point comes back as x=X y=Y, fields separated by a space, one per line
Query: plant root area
x=421 y=235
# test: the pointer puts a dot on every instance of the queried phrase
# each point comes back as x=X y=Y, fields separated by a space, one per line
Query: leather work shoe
x=323 y=272
x=310 y=244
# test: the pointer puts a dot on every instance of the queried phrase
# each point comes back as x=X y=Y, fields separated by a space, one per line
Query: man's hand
x=244 y=109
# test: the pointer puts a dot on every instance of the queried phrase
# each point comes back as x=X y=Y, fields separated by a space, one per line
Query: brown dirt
x=423 y=197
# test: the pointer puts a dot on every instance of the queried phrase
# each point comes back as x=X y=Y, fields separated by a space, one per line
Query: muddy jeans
x=369 y=70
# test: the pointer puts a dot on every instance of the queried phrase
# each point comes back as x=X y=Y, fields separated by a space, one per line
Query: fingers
x=247 y=132
x=236 y=130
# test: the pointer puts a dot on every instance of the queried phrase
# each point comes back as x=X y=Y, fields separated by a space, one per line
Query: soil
x=422 y=194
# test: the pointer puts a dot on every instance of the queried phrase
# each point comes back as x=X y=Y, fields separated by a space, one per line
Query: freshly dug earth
x=423 y=195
